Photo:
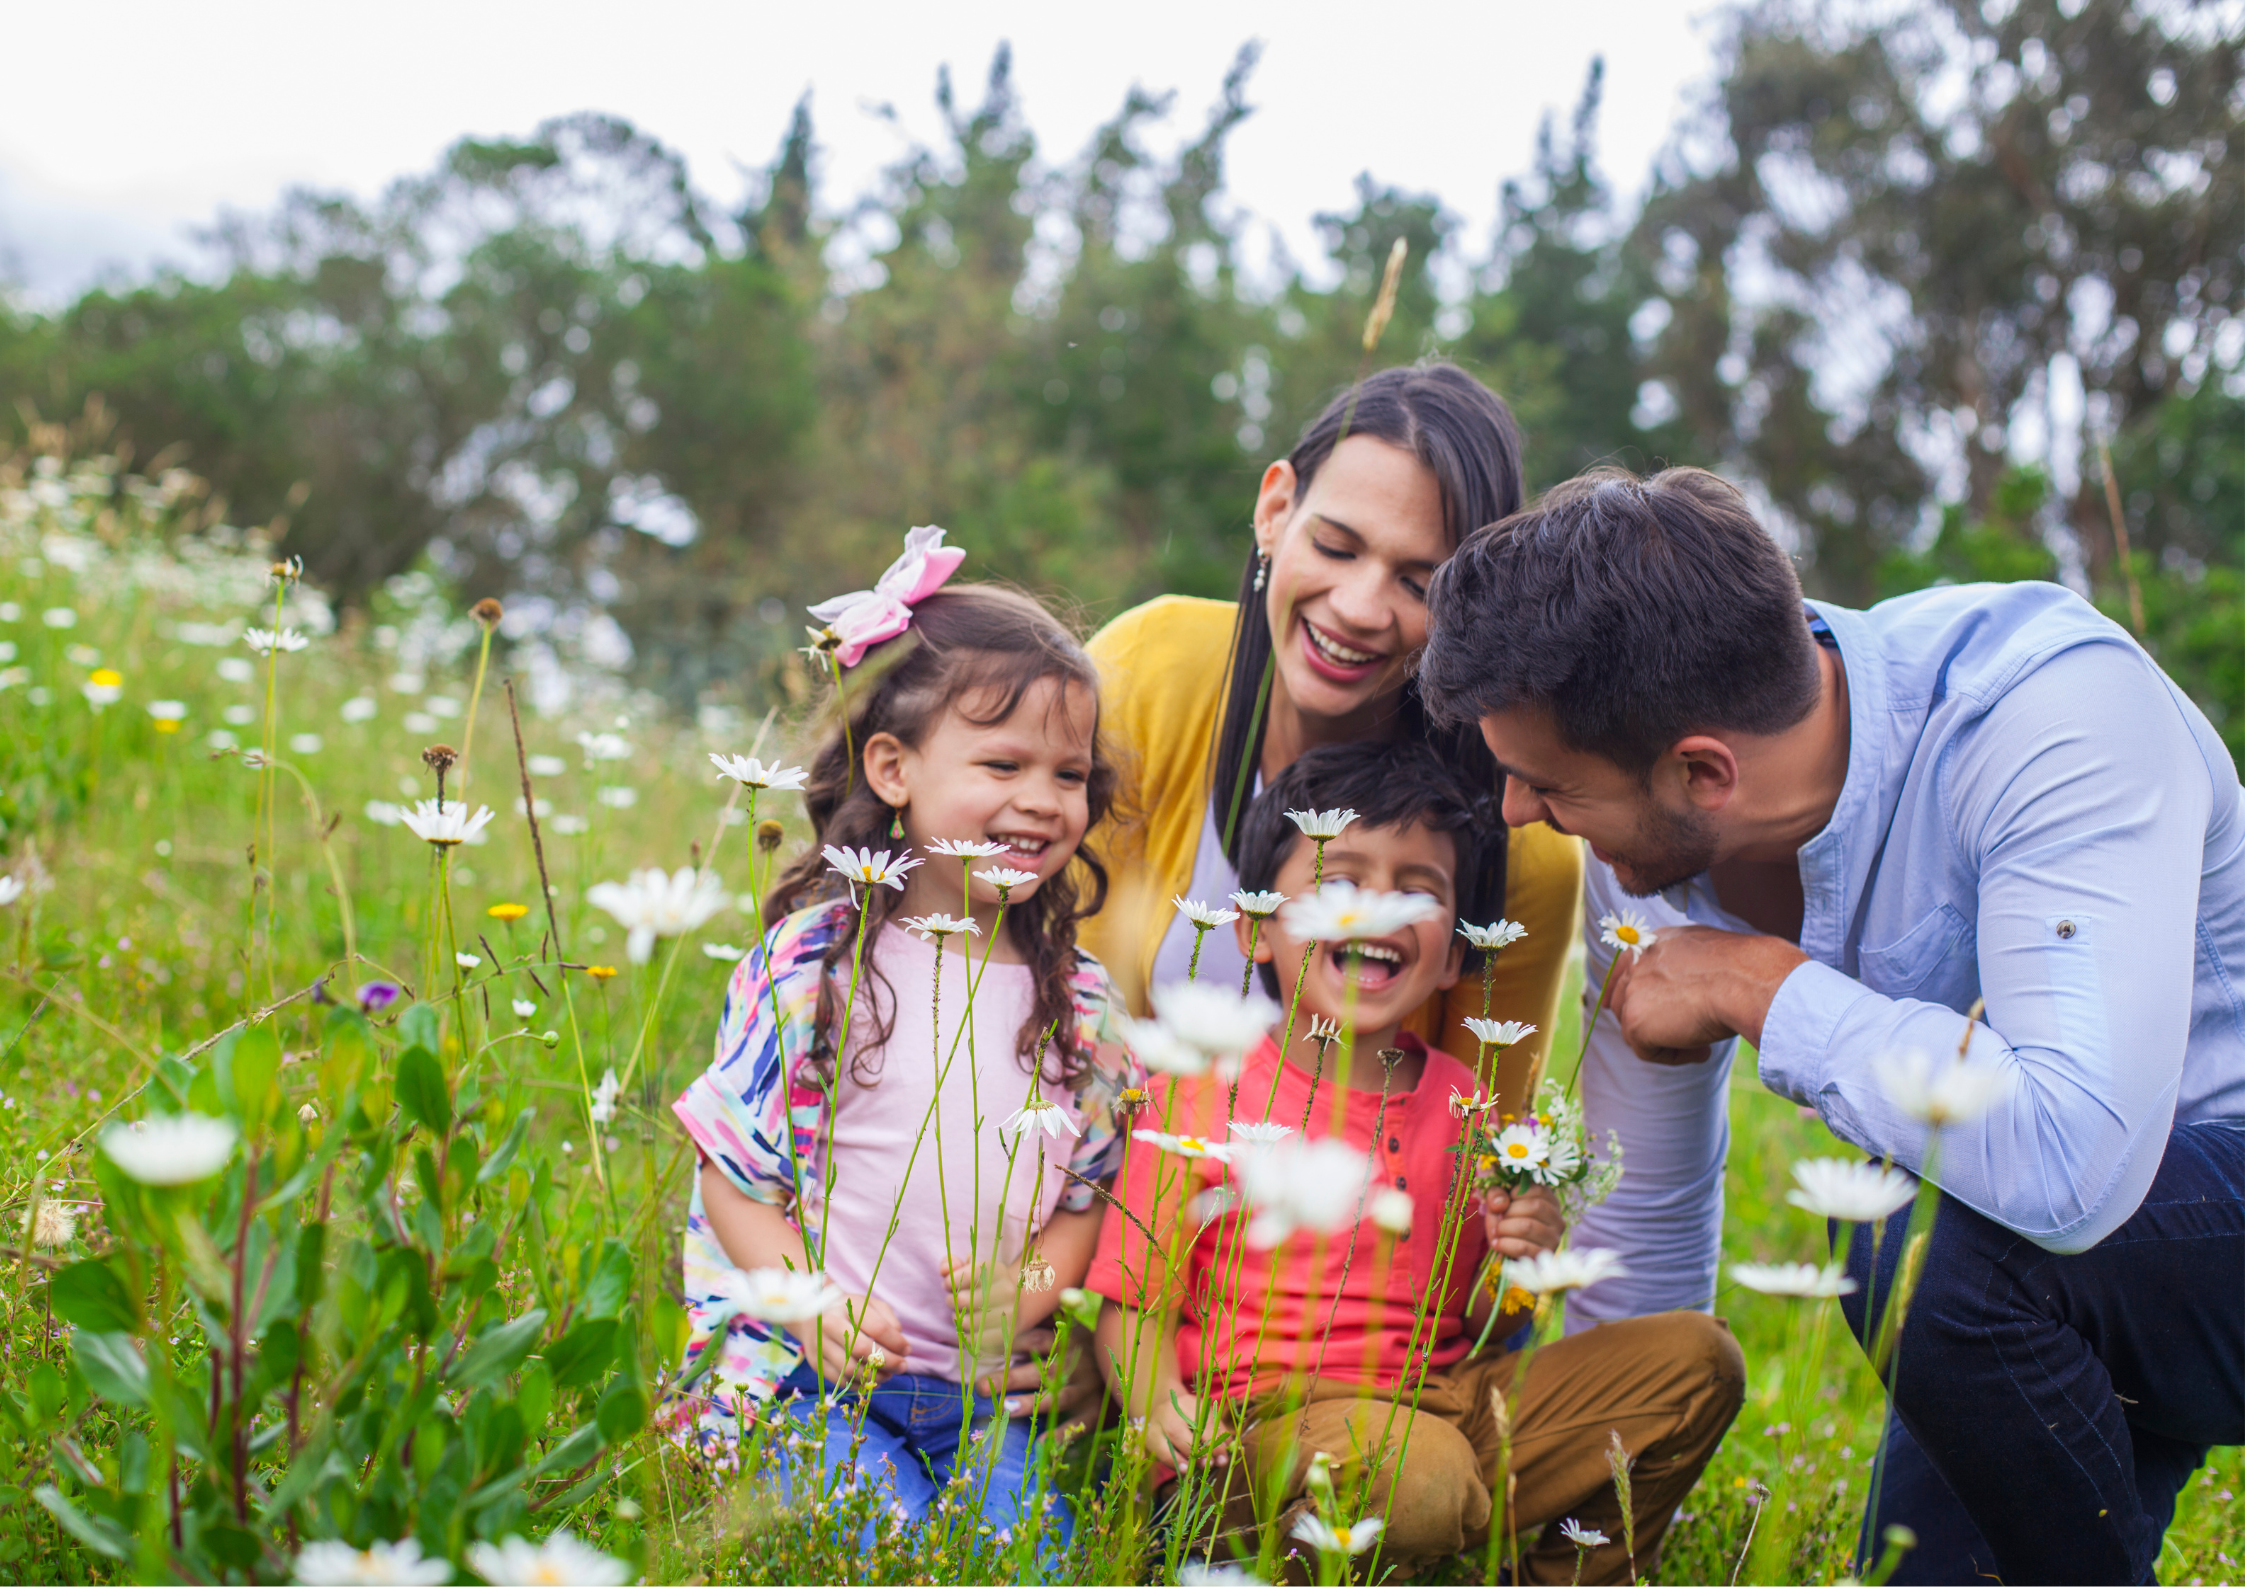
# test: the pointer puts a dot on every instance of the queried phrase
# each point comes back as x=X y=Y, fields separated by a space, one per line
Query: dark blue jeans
x=2049 y=1408
x=905 y=1437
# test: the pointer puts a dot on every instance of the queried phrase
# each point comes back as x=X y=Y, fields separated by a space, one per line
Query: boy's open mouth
x=1374 y=965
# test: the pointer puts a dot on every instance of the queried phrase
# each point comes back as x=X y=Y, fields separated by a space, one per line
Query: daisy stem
x=475 y=698
x=1192 y=966
x=1247 y=976
x=1591 y=1024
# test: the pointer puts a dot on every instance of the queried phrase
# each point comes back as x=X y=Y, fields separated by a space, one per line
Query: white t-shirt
x=1214 y=881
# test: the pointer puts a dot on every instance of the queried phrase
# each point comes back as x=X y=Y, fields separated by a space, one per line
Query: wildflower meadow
x=348 y=967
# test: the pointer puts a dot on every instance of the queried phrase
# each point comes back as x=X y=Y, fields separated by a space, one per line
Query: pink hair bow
x=863 y=618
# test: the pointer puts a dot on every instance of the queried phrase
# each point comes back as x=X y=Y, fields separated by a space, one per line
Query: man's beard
x=1669 y=848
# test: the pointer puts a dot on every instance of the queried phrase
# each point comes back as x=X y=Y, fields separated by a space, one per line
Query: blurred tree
x=1888 y=245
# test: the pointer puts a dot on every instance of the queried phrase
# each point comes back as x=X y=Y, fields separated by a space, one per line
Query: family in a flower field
x=1188 y=997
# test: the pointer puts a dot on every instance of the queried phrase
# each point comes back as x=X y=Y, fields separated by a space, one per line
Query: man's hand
x=859 y=1333
x=1696 y=986
x=1524 y=1223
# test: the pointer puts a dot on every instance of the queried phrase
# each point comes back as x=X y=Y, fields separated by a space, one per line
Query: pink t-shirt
x=901 y=1201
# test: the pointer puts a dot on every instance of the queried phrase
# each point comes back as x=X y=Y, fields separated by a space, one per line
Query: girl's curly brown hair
x=978 y=650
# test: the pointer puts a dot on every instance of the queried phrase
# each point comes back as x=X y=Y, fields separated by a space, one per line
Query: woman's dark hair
x=1387 y=785
x=1635 y=611
x=1465 y=436
x=978 y=650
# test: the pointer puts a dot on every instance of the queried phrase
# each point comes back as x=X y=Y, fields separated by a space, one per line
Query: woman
x=1332 y=609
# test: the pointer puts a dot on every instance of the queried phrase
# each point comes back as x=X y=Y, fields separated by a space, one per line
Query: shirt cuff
x=1798 y=1031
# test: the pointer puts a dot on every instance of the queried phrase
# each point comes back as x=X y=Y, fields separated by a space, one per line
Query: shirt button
x=1395 y=1143
x=2066 y=928
x=1399 y=1184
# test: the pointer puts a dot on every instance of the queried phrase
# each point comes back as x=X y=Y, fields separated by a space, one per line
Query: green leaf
x=583 y=1353
x=250 y=1069
x=622 y=1412
x=419 y=1026
x=91 y=1295
x=422 y=1095
x=496 y=1163
x=103 y=1537
x=497 y=1351
x=572 y=1452
x=611 y=1282
x=534 y=1393
x=113 y=1368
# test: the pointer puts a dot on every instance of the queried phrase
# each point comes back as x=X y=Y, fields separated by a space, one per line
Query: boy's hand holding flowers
x=1522 y=1223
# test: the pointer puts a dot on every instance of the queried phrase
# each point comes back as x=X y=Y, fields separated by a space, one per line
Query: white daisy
x=1499 y=1032
x=1520 y=1147
x=1263 y=1134
x=1625 y=932
x=445 y=824
x=604 y=746
x=1340 y=911
x=1942 y=1091
x=524 y=1008
x=558 y=1560
x=1214 y=1019
x=1582 y=1536
x=936 y=927
x=1258 y=906
x=1800 y=1280
x=1853 y=1192
x=1185 y=1145
x=778 y=1294
x=1390 y=1210
x=1204 y=915
x=969 y=848
x=1313 y=1185
x=1035 y=1115
x=1495 y=935
x=654 y=904
x=1321 y=823
x=1323 y=1031
x=1552 y=1272
x=750 y=772
x=1156 y=1046
x=604 y=1098
x=467 y=961
x=177 y=1150
x=1351 y=1540
x=264 y=641
x=335 y=1564
x=1005 y=878
x=868 y=867
x=11 y=889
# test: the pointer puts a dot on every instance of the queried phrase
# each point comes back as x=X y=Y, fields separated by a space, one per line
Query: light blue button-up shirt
x=2033 y=814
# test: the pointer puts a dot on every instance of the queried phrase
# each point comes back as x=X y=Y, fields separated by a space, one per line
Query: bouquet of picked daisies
x=1548 y=1147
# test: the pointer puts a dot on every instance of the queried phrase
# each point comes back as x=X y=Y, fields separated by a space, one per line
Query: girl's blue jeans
x=904 y=1435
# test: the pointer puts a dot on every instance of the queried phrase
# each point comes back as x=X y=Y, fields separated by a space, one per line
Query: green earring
x=896 y=823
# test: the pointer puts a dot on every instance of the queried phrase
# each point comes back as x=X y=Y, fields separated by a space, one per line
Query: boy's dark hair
x=1464 y=435
x=1387 y=785
x=1635 y=611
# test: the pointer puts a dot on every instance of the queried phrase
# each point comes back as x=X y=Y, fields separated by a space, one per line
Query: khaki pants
x=1669 y=1385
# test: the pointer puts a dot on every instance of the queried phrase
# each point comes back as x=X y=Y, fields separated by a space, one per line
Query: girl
x=915 y=1087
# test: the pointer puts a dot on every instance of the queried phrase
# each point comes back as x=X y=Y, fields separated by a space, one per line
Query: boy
x=1357 y=1344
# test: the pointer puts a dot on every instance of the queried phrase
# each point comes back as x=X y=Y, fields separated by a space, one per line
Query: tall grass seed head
x=487 y=612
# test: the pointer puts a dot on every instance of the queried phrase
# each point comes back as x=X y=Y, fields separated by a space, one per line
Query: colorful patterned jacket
x=759 y=1114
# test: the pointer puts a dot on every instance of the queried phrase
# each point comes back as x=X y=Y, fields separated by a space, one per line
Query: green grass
x=139 y=948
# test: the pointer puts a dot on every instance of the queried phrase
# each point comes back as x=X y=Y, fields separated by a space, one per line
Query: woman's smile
x=1332 y=659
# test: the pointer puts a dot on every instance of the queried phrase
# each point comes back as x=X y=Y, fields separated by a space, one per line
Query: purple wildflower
x=377 y=995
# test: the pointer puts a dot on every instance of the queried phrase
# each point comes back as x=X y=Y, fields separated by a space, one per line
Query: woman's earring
x=896 y=823
x=1262 y=569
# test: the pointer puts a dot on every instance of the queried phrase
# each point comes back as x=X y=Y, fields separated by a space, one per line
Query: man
x=1848 y=828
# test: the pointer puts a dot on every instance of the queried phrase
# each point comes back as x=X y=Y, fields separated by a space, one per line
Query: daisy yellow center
x=108 y=679
x=1192 y=1143
x=1517 y=1149
x=1628 y=934
x=1341 y=1535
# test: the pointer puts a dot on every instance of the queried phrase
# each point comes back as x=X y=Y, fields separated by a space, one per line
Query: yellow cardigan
x=1162 y=671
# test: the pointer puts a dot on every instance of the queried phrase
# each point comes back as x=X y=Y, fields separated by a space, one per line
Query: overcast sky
x=120 y=135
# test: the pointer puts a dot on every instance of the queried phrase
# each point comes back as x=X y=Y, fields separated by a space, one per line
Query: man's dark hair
x=1635 y=611
x=1387 y=785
